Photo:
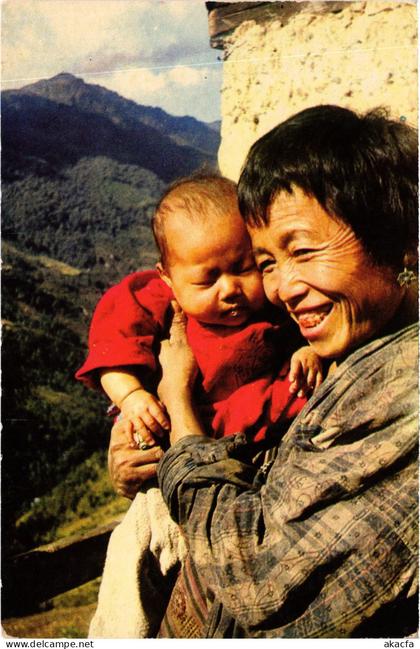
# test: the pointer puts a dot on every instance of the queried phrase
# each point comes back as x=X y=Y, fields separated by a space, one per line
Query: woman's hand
x=179 y=371
x=179 y=367
x=129 y=468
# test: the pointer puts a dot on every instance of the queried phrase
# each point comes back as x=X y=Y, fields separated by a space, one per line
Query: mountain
x=83 y=168
x=89 y=98
x=52 y=124
x=215 y=126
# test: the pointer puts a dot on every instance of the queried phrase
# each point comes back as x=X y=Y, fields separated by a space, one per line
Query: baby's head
x=205 y=250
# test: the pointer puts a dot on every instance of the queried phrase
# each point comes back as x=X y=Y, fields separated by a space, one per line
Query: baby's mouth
x=236 y=311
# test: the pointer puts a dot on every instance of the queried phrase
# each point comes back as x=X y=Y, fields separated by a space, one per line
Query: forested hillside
x=93 y=215
x=82 y=169
x=50 y=423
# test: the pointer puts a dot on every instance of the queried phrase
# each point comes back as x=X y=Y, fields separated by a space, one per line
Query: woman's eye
x=300 y=252
x=265 y=266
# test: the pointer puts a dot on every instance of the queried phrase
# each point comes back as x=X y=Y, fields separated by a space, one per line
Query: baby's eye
x=204 y=284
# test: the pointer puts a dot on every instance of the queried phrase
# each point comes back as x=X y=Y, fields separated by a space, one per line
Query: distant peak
x=62 y=86
x=66 y=76
x=62 y=79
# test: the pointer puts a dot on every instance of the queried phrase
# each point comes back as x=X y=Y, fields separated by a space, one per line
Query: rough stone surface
x=361 y=57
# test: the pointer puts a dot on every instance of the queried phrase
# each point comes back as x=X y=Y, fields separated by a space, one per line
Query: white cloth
x=143 y=557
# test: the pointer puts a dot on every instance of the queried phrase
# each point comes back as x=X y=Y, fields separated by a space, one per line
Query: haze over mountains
x=82 y=171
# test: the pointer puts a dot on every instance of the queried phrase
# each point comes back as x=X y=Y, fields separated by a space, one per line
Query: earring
x=406 y=278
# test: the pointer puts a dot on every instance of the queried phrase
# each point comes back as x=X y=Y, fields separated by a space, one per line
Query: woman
x=321 y=541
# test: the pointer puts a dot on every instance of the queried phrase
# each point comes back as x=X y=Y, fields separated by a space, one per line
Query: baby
x=243 y=348
x=253 y=373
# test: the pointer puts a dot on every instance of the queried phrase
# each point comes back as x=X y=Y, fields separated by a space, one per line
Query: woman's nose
x=285 y=286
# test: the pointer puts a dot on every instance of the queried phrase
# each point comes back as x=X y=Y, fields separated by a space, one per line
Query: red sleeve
x=128 y=320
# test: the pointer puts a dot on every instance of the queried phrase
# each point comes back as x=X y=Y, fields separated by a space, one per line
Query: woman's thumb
x=179 y=320
x=176 y=308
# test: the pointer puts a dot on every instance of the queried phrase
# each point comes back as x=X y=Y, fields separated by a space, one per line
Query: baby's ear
x=163 y=274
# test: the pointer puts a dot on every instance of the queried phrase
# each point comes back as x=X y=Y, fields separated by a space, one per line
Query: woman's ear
x=163 y=274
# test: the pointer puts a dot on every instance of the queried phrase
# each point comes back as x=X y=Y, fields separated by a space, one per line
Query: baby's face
x=212 y=271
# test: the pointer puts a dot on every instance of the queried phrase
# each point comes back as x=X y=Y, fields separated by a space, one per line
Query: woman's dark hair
x=362 y=169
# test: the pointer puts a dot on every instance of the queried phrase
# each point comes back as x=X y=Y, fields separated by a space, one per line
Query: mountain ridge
x=71 y=90
x=42 y=136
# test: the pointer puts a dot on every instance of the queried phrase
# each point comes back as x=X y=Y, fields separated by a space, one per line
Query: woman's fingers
x=178 y=312
x=127 y=483
x=319 y=378
x=139 y=458
x=311 y=377
x=123 y=456
x=129 y=468
x=145 y=432
x=128 y=427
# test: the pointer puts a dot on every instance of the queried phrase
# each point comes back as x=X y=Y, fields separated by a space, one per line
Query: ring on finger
x=143 y=446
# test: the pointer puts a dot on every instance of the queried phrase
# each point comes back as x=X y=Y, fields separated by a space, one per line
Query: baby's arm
x=305 y=371
x=142 y=411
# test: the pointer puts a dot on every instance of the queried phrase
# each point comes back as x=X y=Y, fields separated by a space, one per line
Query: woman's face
x=315 y=266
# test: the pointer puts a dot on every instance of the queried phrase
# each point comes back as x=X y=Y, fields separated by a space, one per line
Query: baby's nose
x=230 y=286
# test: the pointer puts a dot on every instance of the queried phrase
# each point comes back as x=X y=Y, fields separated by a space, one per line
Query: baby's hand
x=305 y=371
x=144 y=415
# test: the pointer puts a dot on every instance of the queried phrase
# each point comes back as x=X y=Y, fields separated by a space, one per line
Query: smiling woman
x=322 y=540
x=317 y=267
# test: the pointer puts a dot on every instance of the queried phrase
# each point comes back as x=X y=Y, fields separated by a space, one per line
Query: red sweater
x=244 y=384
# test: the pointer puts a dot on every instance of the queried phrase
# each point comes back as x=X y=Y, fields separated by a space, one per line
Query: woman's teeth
x=309 y=320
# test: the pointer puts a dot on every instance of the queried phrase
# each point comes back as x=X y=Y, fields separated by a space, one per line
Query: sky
x=155 y=52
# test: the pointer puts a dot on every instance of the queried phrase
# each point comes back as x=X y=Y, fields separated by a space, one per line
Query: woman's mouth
x=310 y=321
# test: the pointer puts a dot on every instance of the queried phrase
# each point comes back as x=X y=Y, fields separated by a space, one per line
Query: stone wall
x=361 y=57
